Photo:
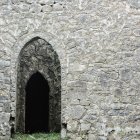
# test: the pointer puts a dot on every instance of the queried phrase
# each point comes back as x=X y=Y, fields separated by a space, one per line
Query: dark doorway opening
x=37 y=104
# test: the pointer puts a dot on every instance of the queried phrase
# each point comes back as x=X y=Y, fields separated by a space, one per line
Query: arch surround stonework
x=38 y=55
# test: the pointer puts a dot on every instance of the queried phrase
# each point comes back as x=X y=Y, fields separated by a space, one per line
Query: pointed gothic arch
x=38 y=56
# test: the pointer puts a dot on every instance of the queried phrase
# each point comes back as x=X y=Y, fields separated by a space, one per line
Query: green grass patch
x=36 y=136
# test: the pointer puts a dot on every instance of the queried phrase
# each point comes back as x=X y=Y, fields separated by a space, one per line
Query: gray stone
x=126 y=74
x=118 y=92
x=98 y=45
x=91 y=137
x=63 y=133
x=85 y=127
x=4 y=117
x=134 y=3
x=72 y=126
x=6 y=107
x=136 y=32
x=76 y=112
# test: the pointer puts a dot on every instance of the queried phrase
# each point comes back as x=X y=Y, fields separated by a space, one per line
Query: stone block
x=85 y=127
x=76 y=112
x=91 y=137
x=72 y=126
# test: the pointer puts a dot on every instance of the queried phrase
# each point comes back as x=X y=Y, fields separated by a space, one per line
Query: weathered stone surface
x=98 y=44
x=134 y=3
x=72 y=126
x=76 y=112
x=91 y=137
x=6 y=107
x=85 y=127
x=63 y=133
x=4 y=117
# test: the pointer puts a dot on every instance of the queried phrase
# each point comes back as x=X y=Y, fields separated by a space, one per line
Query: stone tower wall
x=98 y=44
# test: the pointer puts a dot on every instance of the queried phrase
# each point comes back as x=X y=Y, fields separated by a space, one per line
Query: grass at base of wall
x=36 y=136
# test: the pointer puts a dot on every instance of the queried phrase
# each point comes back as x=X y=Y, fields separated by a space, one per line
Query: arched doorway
x=37 y=104
x=38 y=68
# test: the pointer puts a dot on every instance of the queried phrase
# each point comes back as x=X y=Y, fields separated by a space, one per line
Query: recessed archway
x=38 y=65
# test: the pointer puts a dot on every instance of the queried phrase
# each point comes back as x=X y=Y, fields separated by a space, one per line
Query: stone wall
x=98 y=44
